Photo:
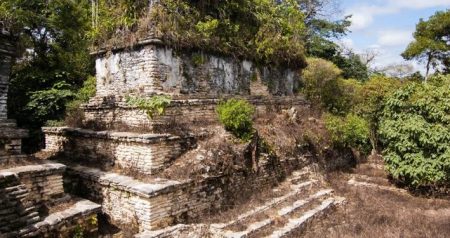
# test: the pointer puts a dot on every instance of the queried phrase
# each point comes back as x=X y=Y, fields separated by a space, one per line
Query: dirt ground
x=371 y=212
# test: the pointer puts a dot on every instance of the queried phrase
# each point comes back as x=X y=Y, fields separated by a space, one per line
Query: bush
x=415 y=130
x=349 y=131
x=237 y=117
x=153 y=106
x=316 y=75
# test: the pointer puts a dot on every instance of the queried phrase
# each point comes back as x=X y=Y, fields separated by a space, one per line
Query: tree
x=53 y=56
x=431 y=43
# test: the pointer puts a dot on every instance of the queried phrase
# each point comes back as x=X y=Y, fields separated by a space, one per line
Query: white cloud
x=419 y=4
x=363 y=15
x=394 y=37
x=347 y=43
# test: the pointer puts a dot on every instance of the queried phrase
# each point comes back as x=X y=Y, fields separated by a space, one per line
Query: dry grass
x=376 y=213
x=16 y=162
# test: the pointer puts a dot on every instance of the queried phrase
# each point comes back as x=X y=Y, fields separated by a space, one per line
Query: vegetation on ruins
x=237 y=117
x=402 y=117
x=153 y=106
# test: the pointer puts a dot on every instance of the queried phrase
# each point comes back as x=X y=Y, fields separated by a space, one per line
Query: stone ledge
x=119 y=136
x=129 y=184
x=53 y=222
x=177 y=101
x=46 y=168
x=13 y=132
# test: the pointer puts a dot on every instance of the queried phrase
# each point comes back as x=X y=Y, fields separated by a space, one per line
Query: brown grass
x=375 y=213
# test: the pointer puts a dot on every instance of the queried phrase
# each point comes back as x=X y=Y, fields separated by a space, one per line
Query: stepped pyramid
x=131 y=164
x=32 y=198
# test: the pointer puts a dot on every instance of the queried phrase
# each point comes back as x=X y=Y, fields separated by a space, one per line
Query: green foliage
x=316 y=75
x=415 y=129
x=264 y=31
x=237 y=117
x=52 y=46
x=83 y=94
x=351 y=66
x=153 y=106
x=349 y=131
x=49 y=103
x=78 y=232
x=431 y=41
x=369 y=101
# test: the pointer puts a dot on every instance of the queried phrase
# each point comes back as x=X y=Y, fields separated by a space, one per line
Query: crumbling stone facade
x=26 y=192
x=143 y=154
x=7 y=52
x=10 y=135
x=152 y=68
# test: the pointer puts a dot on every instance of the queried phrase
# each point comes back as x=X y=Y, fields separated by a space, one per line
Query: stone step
x=299 y=176
x=80 y=214
x=371 y=166
x=376 y=186
x=376 y=180
x=297 y=189
x=257 y=227
x=144 y=154
x=296 y=224
x=126 y=200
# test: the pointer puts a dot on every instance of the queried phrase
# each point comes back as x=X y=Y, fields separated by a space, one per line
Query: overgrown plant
x=350 y=131
x=153 y=106
x=415 y=131
x=263 y=31
x=237 y=117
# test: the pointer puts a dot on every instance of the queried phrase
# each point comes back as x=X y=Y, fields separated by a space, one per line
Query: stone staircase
x=305 y=199
x=371 y=174
x=33 y=203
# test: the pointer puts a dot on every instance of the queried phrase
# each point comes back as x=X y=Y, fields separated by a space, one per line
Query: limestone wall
x=6 y=57
x=23 y=190
x=153 y=68
x=138 y=153
x=160 y=203
x=192 y=111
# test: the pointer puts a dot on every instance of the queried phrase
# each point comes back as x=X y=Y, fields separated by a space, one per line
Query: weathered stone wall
x=11 y=138
x=107 y=115
x=139 y=153
x=153 y=68
x=23 y=190
x=43 y=182
x=7 y=51
x=160 y=203
x=15 y=209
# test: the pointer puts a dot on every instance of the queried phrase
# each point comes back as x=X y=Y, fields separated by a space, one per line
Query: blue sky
x=386 y=26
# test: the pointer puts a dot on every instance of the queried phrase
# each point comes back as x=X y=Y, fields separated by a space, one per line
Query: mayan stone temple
x=123 y=173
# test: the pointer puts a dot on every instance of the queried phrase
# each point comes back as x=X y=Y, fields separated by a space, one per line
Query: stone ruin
x=118 y=157
x=32 y=198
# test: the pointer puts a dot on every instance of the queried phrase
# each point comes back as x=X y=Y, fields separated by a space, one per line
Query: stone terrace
x=118 y=156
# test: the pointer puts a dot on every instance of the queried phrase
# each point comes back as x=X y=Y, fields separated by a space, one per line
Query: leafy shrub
x=155 y=105
x=237 y=117
x=316 y=75
x=349 y=131
x=49 y=103
x=415 y=130
x=369 y=102
x=83 y=94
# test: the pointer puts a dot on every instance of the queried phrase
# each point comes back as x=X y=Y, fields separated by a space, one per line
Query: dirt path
x=379 y=211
